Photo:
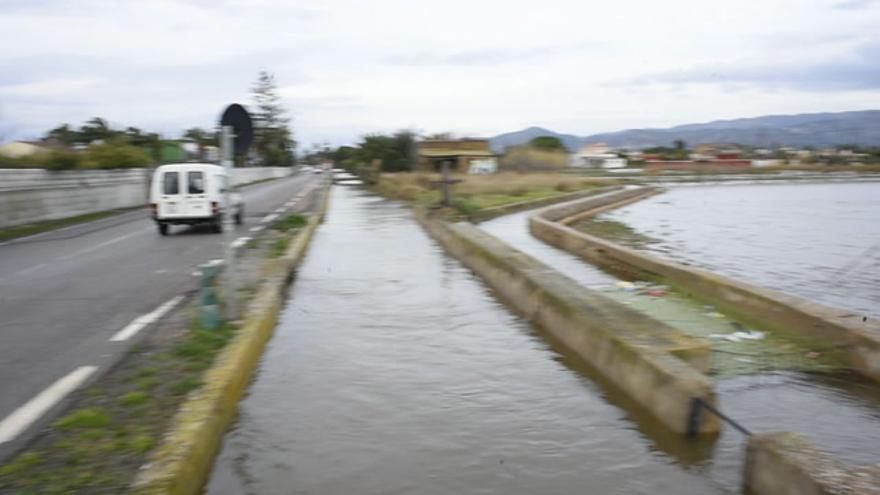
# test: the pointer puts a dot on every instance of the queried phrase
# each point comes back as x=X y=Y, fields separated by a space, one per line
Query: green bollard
x=209 y=309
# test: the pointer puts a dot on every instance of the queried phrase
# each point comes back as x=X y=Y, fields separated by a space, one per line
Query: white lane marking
x=279 y=209
x=239 y=242
x=269 y=218
x=30 y=269
x=140 y=322
x=255 y=229
x=24 y=416
x=104 y=244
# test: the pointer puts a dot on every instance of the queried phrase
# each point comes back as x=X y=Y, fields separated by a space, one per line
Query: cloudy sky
x=475 y=67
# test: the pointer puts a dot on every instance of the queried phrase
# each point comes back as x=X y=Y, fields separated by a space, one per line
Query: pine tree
x=273 y=140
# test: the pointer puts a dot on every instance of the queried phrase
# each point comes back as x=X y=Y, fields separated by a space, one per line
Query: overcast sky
x=476 y=68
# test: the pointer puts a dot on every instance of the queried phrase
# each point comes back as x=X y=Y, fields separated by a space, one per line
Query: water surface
x=395 y=371
x=817 y=241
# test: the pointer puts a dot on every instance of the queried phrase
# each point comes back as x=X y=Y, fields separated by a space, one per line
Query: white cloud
x=349 y=67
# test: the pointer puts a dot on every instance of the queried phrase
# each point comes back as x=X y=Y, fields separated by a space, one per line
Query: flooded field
x=761 y=383
x=818 y=241
x=395 y=370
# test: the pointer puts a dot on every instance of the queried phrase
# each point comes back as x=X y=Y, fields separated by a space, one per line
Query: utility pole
x=229 y=282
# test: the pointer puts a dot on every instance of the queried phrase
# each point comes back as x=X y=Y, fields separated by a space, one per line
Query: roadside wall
x=654 y=364
x=34 y=195
x=748 y=302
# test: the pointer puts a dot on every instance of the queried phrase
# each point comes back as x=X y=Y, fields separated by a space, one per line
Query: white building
x=483 y=166
x=597 y=155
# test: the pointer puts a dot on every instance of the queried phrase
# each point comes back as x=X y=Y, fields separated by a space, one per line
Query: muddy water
x=395 y=371
x=839 y=412
x=818 y=241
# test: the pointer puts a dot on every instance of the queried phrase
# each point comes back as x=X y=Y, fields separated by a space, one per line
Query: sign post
x=230 y=285
x=236 y=134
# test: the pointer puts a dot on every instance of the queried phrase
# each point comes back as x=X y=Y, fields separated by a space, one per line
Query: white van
x=190 y=194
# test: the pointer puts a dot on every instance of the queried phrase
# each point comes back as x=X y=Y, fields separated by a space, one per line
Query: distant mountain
x=808 y=129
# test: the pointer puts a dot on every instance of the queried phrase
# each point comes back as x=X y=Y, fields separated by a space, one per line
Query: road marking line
x=269 y=218
x=31 y=269
x=279 y=209
x=239 y=242
x=104 y=244
x=24 y=416
x=255 y=229
x=140 y=322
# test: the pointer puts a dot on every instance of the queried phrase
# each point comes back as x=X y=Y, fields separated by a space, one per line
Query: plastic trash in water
x=656 y=293
x=738 y=336
x=624 y=285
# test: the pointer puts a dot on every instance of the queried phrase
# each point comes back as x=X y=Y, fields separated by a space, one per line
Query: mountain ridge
x=821 y=129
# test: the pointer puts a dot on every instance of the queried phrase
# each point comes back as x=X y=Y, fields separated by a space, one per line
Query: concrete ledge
x=760 y=306
x=497 y=211
x=788 y=464
x=652 y=363
x=182 y=462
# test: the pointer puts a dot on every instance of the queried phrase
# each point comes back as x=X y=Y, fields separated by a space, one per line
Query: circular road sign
x=236 y=116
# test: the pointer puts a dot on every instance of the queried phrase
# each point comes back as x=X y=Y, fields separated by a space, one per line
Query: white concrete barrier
x=35 y=195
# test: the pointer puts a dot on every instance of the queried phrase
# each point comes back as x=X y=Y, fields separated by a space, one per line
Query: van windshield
x=170 y=183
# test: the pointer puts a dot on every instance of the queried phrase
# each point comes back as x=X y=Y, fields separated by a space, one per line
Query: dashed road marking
x=269 y=218
x=255 y=229
x=140 y=322
x=239 y=242
x=24 y=416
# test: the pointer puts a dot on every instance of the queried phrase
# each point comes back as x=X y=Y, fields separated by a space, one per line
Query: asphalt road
x=64 y=295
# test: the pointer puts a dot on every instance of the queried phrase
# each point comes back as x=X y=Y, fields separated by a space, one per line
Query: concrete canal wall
x=35 y=195
x=787 y=464
x=181 y=464
x=750 y=303
x=656 y=365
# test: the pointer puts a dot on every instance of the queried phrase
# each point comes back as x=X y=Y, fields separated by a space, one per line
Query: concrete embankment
x=182 y=462
x=752 y=304
x=786 y=463
x=656 y=365
x=35 y=195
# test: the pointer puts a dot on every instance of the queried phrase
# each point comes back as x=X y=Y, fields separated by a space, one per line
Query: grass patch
x=477 y=192
x=84 y=418
x=614 y=231
x=186 y=385
x=279 y=247
x=134 y=399
x=45 y=226
x=21 y=463
x=141 y=443
x=290 y=222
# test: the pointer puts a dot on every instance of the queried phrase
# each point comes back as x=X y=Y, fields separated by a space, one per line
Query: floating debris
x=738 y=336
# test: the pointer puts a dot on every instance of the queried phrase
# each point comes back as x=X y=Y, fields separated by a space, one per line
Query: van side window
x=170 y=184
x=196 y=183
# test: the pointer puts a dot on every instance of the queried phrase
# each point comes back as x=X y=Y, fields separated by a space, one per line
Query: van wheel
x=217 y=226
x=163 y=229
x=239 y=217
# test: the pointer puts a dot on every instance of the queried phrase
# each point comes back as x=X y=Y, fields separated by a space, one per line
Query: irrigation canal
x=395 y=370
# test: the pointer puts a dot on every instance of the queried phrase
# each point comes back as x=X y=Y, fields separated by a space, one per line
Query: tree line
x=96 y=144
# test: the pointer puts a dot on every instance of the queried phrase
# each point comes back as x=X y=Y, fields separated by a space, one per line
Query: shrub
x=530 y=159
x=64 y=160
x=116 y=155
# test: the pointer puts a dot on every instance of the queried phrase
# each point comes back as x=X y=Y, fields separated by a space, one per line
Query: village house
x=597 y=155
x=459 y=154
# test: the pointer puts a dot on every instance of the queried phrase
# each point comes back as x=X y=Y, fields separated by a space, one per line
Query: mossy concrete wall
x=656 y=365
x=753 y=304
x=788 y=464
x=181 y=463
